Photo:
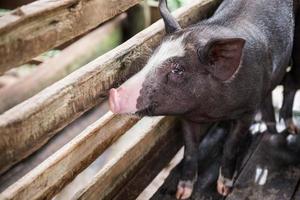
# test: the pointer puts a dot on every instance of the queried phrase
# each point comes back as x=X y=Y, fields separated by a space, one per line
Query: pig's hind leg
x=268 y=114
x=286 y=112
x=291 y=83
x=232 y=148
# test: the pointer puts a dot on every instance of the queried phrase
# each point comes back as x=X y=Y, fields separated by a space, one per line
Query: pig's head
x=179 y=75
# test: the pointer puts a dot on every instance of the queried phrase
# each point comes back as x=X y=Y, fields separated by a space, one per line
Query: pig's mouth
x=148 y=111
x=132 y=98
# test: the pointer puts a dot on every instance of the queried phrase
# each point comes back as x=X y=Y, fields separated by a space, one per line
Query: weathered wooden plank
x=54 y=144
x=158 y=158
x=27 y=126
x=8 y=4
x=53 y=174
x=34 y=28
x=73 y=57
x=260 y=180
x=7 y=80
x=143 y=137
x=159 y=180
x=296 y=195
x=152 y=166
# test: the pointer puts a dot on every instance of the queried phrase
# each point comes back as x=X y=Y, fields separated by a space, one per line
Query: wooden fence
x=28 y=124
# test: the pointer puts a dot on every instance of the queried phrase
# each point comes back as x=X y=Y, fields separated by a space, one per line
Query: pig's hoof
x=223 y=189
x=224 y=185
x=184 y=189
x=291 y=127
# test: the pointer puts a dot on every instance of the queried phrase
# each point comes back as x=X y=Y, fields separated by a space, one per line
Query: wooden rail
x=29 y=125
x=54 y=173
x=34 y=28
x=143 y=137
x=71 y=58
x=65 y=164
x=8 y=4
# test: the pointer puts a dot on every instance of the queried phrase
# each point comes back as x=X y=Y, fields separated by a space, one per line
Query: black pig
x=221 y=69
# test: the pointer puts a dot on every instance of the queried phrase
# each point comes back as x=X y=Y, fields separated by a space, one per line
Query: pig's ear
x=222 y=57
x=171 y=25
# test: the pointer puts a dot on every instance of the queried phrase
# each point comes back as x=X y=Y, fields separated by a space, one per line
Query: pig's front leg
x=231 y=150
x=190 y=164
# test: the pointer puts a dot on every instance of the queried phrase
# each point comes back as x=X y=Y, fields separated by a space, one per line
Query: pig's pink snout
x=123 y=99
x=114 y=100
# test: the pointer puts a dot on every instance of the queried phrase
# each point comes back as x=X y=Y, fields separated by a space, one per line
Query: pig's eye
x=177 y=69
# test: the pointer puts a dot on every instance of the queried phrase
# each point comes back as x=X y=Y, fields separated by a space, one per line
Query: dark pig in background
x=221 y=69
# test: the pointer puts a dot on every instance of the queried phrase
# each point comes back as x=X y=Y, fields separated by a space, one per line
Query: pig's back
x=270 y=21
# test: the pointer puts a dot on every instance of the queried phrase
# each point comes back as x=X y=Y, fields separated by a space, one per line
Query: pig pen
x=59 y=141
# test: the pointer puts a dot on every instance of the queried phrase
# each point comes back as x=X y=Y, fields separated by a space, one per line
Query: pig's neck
x=199 y=115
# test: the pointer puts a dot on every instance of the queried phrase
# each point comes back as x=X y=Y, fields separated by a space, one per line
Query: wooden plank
x=34 y=28
x=261 y=180
x=296 y=195
x=54 y=144
x=53 y=174
x=162 y=154
x=143 y=137
x=159 y=180
x=6 y=80
x=158 y=157
x=29 y=125
x=8 y=4
x=73 y=57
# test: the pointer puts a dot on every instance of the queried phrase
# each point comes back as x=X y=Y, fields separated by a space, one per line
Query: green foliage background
x=174 y=4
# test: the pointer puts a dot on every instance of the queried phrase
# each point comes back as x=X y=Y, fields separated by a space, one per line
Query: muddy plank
x=158 y=181
x=296 y=195
x=48 y=178
x=53 y=69
x=261 y=180
x=34 y=28
x=143 y=137
x=29 y=125
x=58 y=141
x=158 y=158
x=8 y=4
